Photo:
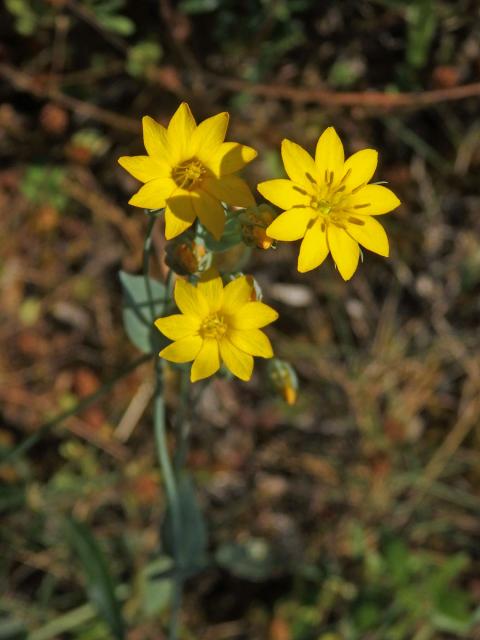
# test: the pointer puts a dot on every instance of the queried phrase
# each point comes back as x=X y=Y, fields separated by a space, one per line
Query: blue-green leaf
x=232 y=234
x=193 y=537
x=137 y=314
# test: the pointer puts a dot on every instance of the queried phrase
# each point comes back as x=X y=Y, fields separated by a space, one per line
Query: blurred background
x=352 y=514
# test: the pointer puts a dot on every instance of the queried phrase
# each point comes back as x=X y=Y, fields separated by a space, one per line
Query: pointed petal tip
x=131 y=202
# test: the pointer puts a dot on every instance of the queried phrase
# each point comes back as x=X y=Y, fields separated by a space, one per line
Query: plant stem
x=182 y=422
x=147 y=252
x=168 y=472
x=172 y=495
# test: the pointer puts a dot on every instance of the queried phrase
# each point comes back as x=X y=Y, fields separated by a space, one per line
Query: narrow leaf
x=100 y=585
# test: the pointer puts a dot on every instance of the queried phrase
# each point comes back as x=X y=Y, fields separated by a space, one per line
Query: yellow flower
x=217 y=324
x=329 y=204
x=190 y=170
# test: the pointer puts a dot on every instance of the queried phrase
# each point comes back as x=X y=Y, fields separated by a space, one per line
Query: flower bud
x=187 y=255
x=284 y=379
x=254 y=222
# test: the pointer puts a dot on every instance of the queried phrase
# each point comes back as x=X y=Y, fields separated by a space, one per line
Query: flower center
x=214 y=326
x=188 y=174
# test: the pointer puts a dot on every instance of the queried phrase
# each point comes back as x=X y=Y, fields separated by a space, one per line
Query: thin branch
x=369 y=99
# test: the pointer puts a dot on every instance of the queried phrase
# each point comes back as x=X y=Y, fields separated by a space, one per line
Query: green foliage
x=100 y=585
x=155 y=587
x=42 y=184
x=142 y=56
x=91 y=140
x=137 y=316
x=232 y=234
x=422 y=20
x=398 y=591
x=193 y=539
x=29 y=15
x=109 y=16
x=345 y=72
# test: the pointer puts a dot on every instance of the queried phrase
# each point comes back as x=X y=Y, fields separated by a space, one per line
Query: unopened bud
x=254 y=222
x=283 y=379
x=187 y=255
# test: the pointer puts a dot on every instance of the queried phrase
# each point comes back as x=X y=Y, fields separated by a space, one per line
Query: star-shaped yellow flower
x=329 y=204
x=190 y=170
x=217 y=324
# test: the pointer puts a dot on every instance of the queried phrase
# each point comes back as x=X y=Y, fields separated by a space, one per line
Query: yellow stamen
x=189 y=174
x=214 y=326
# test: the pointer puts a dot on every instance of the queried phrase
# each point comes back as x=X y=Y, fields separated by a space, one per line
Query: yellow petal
x=239 y=362
x=314 y=247
x=211 y=286
x=299 y=164
x=371 y=200
x=285 y=193
x=230 y=157
x=207 y=361
x=253 y=315
x=178 y=326
x=210 y=212
x=236 y=294
x=208 y=136
x=329 y=156
x=174 y=226
x=252 y=341
x=230 y=189
x=155 y=139
x=184 y=350
x=344 y=249
x=359 y=168
x=153 y=194
x=143 y=168
x=180 y=132
x=190 y=300
x=290 y=225
x=370 y=234
x=180 y=213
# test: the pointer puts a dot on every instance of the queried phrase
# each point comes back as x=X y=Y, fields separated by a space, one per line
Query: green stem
x=172 y=496
x=147 y=252
x=182 y=422
x=166 y=466
x=84 y=403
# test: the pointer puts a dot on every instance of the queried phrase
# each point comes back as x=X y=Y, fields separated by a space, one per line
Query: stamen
x=188 y=174
x=345 y=176
x=300 y=190
x=361 y=206
x=213 y=326
x=360 y=186
x=310 y=178
x=356 y=221
x=330 y=178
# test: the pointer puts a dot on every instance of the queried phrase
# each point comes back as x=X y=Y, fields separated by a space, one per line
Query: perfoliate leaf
x=137 y=315
x=193 y=531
